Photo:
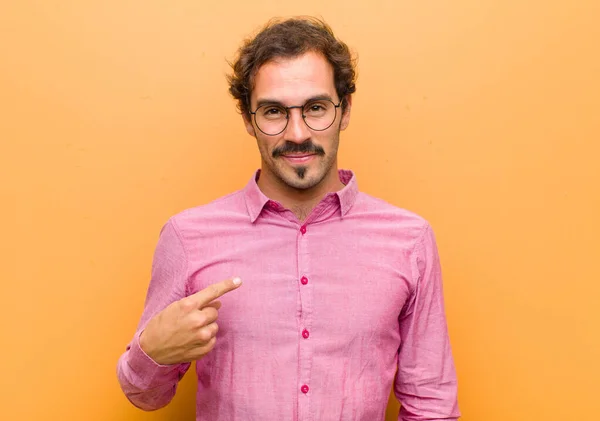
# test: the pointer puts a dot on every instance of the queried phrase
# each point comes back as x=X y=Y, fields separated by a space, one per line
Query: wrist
x=145 y=344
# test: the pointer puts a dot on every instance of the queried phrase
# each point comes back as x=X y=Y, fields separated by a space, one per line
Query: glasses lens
x=319 y=115
x=271 y=119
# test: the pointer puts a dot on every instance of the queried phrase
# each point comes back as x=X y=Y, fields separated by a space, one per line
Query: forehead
x=292 y=81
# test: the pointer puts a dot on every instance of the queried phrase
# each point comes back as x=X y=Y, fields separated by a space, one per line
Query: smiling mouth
x=298 y=158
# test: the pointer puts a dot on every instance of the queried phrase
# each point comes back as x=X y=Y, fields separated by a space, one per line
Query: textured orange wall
x=481 y=115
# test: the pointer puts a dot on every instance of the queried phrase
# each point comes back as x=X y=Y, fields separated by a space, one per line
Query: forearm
x=146 y=384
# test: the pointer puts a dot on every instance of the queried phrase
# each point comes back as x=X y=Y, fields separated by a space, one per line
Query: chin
x=293 y=180
x=302 y=185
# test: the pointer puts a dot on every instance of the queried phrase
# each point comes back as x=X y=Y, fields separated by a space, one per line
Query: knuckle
x=210 y=313
x=205 y=335
x=186 y=305
x=199 y=319
x=210 y=345
x=202 y=352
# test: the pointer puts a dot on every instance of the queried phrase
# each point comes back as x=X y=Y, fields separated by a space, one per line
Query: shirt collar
x=256 y=199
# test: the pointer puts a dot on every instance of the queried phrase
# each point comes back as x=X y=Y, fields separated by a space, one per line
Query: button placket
x=304 y=322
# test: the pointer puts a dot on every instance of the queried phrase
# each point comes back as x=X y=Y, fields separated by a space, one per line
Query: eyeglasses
x=272 y=119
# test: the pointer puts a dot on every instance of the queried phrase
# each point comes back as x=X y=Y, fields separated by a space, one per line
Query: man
x=340 y=290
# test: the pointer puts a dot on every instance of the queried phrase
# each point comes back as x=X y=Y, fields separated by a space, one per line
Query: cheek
x=266 y=145
x=328 y=138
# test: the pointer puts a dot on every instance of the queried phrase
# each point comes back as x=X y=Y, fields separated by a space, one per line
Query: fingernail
x=237 y=281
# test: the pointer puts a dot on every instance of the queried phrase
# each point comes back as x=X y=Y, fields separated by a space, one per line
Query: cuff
x=144 y=366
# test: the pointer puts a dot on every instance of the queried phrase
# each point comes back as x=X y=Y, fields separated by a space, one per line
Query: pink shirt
x=328 y=310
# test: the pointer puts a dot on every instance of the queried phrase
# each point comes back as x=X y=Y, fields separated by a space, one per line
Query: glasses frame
x=287 y=115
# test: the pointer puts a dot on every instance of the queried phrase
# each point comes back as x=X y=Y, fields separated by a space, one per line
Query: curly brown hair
x=288 y=39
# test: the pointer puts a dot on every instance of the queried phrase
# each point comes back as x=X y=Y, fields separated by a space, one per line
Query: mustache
x=290 y=147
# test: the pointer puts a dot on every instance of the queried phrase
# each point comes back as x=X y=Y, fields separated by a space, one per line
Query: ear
x=346 y=114
x=248 y=124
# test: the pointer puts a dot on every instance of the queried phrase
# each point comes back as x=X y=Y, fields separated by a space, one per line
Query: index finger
x=214 y=291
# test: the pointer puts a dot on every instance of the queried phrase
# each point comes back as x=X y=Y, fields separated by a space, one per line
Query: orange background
x=483 y=116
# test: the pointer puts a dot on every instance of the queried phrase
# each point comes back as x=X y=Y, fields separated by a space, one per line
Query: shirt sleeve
x=146 y=384
x=426 y=384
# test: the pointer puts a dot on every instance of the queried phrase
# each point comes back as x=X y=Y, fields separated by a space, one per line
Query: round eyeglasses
x=272 y=119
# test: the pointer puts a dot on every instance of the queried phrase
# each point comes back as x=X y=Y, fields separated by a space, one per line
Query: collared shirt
x=330 y=309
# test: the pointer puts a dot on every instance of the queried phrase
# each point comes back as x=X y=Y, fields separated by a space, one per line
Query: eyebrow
x=269 y=101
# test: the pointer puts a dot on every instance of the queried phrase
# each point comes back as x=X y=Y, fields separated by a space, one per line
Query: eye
x=316 y=109
x=272 y=112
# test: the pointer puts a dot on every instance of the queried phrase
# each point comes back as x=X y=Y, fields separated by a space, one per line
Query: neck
x=299 y=201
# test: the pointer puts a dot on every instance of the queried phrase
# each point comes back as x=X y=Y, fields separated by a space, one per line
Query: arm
x=426 y=383
x=146 y=384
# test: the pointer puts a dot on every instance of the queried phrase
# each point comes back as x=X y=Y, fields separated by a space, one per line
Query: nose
x=296 y=131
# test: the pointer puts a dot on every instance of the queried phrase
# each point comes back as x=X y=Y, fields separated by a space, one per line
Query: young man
x=340 y=290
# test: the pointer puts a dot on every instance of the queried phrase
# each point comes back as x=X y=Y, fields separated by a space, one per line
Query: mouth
x=298 y=158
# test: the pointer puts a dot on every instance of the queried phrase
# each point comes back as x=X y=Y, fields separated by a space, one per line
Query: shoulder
x=224 y=210
x=392 y=218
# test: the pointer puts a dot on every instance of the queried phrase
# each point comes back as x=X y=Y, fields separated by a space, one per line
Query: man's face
x=299 y=157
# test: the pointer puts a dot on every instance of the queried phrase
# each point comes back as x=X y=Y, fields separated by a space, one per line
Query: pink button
x=303 y=230
x=304 y=389
x=304 y=280
x=305 y=334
